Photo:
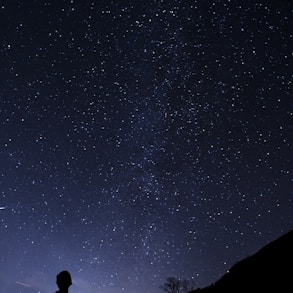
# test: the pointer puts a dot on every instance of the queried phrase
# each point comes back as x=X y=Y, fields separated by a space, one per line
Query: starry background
x=142 y=140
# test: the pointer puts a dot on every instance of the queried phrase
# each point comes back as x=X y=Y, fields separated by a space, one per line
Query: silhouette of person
x=63 y=281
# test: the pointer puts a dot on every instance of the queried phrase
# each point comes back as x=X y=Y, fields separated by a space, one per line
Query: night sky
x=142 y=139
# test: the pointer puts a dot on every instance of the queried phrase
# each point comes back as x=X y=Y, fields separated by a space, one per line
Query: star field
x=142 y=140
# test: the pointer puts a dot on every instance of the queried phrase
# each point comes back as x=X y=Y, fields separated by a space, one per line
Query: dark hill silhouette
x=268 y=270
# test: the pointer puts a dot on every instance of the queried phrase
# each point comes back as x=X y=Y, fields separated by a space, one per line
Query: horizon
x=78 y=287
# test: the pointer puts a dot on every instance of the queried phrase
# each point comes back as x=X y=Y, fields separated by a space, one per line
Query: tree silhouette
x=174 y=285
x=187 y=286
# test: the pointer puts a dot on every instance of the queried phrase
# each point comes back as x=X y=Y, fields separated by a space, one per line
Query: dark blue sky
x=142 y=140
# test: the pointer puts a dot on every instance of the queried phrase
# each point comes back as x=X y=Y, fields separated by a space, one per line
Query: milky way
x=141 y=140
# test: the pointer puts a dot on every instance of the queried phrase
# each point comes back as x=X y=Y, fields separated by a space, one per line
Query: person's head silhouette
x=63 y=281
